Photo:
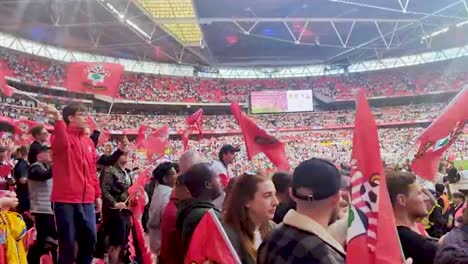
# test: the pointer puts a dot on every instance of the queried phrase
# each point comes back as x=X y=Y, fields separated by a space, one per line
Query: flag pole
x=32 y=98
x=110 y=108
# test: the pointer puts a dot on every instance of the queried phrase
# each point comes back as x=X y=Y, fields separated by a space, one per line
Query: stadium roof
x=241 y=32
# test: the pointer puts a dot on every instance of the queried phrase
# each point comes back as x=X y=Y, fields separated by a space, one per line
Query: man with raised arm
x=75 y=190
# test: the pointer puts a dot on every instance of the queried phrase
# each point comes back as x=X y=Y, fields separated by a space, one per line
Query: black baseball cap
x=320 y=176
x=43 y=148
x=229 y=149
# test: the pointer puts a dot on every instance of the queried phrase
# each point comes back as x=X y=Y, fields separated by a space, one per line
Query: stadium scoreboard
x=263 y=102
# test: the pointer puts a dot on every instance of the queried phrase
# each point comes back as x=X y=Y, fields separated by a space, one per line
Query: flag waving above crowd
x=96 y=78
x=440 y=135
x=371 y=238
x=194 y=122
x=258 y=140
x=153 y=140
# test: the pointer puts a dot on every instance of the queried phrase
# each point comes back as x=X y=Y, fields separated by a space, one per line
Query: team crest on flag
x=433 y=146
x=365 y=207
x=265 y=139
x=91 y=77
x=97 y=76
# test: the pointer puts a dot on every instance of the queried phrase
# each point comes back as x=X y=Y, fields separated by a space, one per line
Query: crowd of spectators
x=21 y=109
x=334 y=145
x=152 y=87
x=331 y=144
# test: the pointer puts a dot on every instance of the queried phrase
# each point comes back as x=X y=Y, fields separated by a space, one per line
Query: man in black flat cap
x=303 y=237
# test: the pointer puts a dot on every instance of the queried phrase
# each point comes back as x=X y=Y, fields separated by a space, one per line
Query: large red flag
x=372 y=236
x=96 y=78
x=258 y=140
x=440 y=135
x=210 y=243
x=153 y=140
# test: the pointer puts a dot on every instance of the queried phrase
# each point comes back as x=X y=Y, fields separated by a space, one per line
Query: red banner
x=439 y=136
x=258 y=140
x=95 y=78
x=210 y=243
x=371 y=236
x=153 y=140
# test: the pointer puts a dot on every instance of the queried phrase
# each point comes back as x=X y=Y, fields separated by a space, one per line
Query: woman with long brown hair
x=249 y=208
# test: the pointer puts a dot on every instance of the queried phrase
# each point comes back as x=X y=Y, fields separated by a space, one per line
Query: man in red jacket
x=75 y=190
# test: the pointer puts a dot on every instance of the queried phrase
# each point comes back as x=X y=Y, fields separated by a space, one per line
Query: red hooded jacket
x=74 y=168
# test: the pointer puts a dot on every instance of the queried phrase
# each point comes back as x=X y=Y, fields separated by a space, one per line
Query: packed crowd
x=117 y=120
x=214 y=175
x=298 y=120
x=148 y=87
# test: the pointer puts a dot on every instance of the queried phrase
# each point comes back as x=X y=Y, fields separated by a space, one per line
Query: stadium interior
x=180 y=56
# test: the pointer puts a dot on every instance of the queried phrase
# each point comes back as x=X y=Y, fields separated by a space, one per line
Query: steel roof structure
x=241 y=33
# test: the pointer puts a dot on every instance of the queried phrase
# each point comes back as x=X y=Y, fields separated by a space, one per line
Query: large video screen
x=262 y=102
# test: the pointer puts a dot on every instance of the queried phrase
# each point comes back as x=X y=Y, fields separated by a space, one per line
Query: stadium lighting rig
x=127 y=21
x=441 y=31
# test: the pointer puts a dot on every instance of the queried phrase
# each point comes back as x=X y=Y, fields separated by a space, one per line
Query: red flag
x=185 y=136
x=372 y=236
x=8 y=125
x=439 y=136
x=103 y=136
x=210 y=243
x=19 y=129
x=258 y=140
x=24 y=138
x=194 y=122
x=153 y=140
x=96 y=78
x=7 y=90
x=196 y=119
x=91 y=122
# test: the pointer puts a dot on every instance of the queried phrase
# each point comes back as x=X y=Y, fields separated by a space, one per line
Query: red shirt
x=74 y=166
x=171 y=240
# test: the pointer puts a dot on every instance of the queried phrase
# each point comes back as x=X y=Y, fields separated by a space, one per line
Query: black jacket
x=21 y=171
x=189 y=214
x=452 y=175
x=114 y=186
x=282 y=209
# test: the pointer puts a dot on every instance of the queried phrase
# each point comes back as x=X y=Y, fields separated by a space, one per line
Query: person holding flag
x=204 y=187
x=75 y=189
x=115 y=182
